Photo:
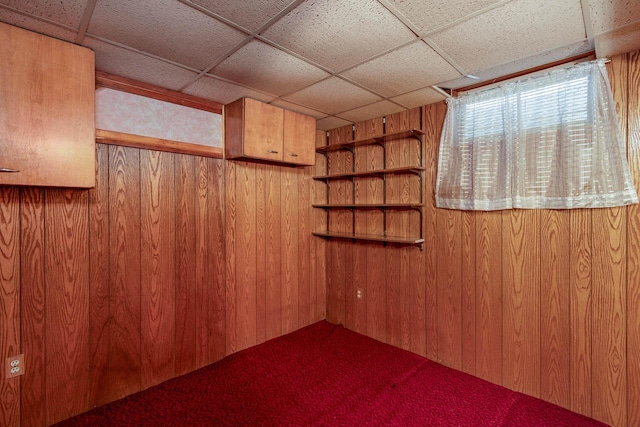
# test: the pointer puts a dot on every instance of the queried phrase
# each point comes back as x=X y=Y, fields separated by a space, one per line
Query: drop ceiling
x=341 y=61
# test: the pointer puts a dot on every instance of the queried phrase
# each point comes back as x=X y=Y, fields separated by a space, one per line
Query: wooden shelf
x=370 y=206
x=411 y=133
x=391 y=171
x=417 y=241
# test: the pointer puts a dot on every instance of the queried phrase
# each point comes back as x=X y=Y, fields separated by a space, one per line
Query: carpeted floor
x=327 y=375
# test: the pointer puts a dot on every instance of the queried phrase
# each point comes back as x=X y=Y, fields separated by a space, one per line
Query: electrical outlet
x=359 y=293
x=15 y=366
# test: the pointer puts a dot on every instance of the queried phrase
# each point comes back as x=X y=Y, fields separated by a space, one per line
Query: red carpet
x=327 y=375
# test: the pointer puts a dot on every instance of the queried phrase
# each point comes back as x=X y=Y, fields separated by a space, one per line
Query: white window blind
x=549 y=141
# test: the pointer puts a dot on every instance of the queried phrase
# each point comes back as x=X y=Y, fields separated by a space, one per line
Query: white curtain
x=550 y=141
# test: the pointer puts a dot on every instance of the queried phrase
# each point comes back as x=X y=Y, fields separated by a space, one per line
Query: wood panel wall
x=170 y=263
x=545 y=302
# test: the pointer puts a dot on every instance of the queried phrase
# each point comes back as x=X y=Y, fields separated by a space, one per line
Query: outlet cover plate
x=15 y=362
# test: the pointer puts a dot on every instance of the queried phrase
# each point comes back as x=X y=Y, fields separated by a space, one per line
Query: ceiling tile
x=116 y=60
x=261 y=66
x=607 y=15
x=339 y=34
x=403 y=70
x=165 y=28
x=36 y=25
x=223 y=92
x=371 y=111
x=418 y=98
x=621 y=40
x=331 y=122
x=249 y=14
x=522 y=64
x=67 y=12
x=333 y=95
x=298 y=108
x=515 y=30
x=431 y=15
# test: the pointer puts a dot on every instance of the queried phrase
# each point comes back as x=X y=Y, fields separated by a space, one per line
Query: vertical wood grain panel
x=230 y=250
x=554 y=300
x=433 y=121
x=609 y=385
x=185 y=285
x=261 y=254
x=469 y=292
x=32 y=306
x=449 y=292
x=609 y=311
x=157 y=263
x=273 y=249
x=339 y=252
x=581 y=310
x=489 y=300
x=304 y=248
x=124 y=277
x=289 y=245
x=416 y=270
x=319 y=245
x=368 y=190
x=246 y=256
x=521 y=293
x=203 y=321
x=217 y=256
x=67 y=296
x=99 y=271
x=374 y=287
x=9 y=301
x=633 y=244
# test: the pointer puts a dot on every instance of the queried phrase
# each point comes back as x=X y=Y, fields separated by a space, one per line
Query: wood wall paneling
x=521 y=301
x=555 y=253
x=609 y=380
x=633 y=245
x=124 y=265
x=289 y=246
x=203 y=322
x=32 y=305
x=157 y=262
x=9 y=301
x=433 y=118
x=216 y=259
x=246 y=255
x=488 y=335
x=67 y=297
x=99 y=281
x=185 y=272
x=273 y=249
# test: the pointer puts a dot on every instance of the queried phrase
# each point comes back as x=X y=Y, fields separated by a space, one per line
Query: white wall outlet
x=359 y=293
x=15 y=366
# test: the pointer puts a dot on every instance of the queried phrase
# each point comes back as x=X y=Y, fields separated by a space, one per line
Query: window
x=549 y=141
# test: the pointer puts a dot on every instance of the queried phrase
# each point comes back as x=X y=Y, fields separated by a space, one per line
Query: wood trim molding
x=151 y=91
x=582 y=56
x=148 y=143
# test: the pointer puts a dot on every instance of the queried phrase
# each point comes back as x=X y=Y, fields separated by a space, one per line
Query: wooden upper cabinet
x=47 y=111
x=299 y=138
x=266 y=132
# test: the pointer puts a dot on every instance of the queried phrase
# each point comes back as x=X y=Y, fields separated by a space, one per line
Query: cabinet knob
x=293 y=155
x=9 y=170
x=272 y=151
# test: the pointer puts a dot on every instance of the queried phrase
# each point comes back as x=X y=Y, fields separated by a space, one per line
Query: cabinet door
x=299 y=138
x=47 y=118
x=262 y=130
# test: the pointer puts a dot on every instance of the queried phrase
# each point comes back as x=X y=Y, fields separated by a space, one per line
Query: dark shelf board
x=407 y=169
x=370 y=206
x=368 y=141
x=372 y=238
